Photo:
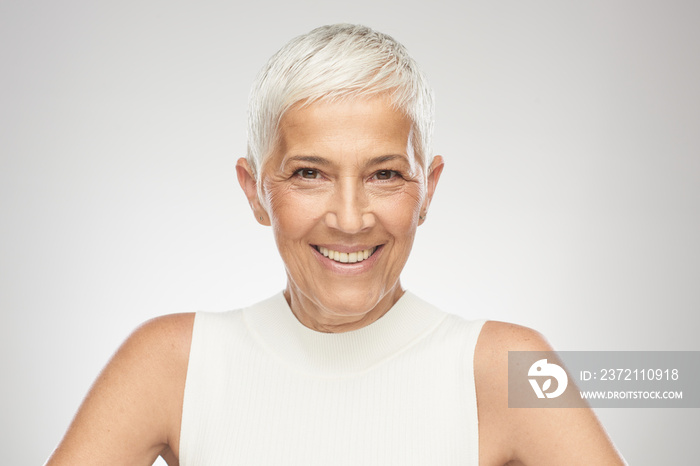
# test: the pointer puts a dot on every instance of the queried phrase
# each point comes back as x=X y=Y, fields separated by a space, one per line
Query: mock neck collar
x=275 y=326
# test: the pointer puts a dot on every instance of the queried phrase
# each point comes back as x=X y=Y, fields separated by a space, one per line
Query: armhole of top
x=185 y=422
x=470 y=352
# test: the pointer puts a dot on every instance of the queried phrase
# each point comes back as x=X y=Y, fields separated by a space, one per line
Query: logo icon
x=542 y=368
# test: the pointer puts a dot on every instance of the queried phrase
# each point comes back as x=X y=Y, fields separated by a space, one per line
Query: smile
x=346 y=257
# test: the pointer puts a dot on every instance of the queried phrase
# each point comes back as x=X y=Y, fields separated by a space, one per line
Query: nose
x=348 y=209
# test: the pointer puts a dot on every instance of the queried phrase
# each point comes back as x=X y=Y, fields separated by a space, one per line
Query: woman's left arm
x=530 y=436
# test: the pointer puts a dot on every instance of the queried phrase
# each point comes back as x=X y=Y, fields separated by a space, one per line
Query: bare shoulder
x=491 y=357
x=136 y=401
x=523 y=436
x=499 y=337
x=168 y=337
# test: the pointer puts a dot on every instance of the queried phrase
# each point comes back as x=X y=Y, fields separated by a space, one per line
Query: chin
x=356 y=301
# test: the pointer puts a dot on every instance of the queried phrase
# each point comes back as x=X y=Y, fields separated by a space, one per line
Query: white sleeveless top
x=263 y=389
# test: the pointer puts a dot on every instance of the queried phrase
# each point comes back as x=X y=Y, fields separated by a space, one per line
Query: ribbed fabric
x=263 y=389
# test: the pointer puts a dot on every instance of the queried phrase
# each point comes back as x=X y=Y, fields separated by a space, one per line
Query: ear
x=434 y=172
x=249 y=185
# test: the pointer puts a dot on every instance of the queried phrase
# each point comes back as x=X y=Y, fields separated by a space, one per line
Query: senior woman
x=344 y=366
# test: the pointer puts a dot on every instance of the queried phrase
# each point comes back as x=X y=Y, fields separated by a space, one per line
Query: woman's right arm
x=133 y=411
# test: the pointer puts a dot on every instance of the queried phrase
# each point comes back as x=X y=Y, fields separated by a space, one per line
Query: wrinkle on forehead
x=345 y=131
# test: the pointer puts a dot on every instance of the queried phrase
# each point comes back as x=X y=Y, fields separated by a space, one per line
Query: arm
x=132 y=412
x=530 y=436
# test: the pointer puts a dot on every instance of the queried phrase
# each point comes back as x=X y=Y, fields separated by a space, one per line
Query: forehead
x=358 y=127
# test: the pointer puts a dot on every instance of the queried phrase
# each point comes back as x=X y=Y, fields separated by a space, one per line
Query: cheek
x=400 y=213
x=292 y=213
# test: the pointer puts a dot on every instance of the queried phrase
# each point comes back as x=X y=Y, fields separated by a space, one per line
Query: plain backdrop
x=569 y=201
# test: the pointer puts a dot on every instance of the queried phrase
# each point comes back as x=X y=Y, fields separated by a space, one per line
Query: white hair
x=336 y=62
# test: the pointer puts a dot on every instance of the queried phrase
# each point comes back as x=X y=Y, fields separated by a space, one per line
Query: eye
x=308 y=173
x=384 y=175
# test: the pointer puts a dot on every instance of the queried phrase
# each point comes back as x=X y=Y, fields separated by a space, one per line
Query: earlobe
x=434 y=172
x=249 y=184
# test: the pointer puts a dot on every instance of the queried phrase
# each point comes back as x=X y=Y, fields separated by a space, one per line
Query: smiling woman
x=344 y=366
x=345 y=193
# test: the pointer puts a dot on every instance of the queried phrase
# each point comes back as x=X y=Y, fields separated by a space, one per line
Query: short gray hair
x=331 y=63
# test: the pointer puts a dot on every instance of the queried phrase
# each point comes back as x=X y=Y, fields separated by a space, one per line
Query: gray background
x=569 y=201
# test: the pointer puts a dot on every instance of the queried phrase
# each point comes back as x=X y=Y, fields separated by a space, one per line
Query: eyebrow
x=386 y=158
x=309 y=159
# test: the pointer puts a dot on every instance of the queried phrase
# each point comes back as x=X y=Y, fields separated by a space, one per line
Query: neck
x=316 y=315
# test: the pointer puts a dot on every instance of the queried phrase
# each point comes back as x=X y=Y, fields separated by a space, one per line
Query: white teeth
x=345 y=257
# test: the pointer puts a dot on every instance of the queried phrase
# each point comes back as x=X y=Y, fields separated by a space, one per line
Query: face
x=344 y=193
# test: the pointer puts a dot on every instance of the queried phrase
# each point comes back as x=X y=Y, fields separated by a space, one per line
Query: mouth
x=347 y=257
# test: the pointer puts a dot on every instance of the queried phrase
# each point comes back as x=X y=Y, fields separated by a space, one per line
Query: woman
x=344 y=366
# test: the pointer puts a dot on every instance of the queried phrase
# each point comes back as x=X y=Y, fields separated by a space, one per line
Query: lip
x=345 y=248
x=356 y=268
